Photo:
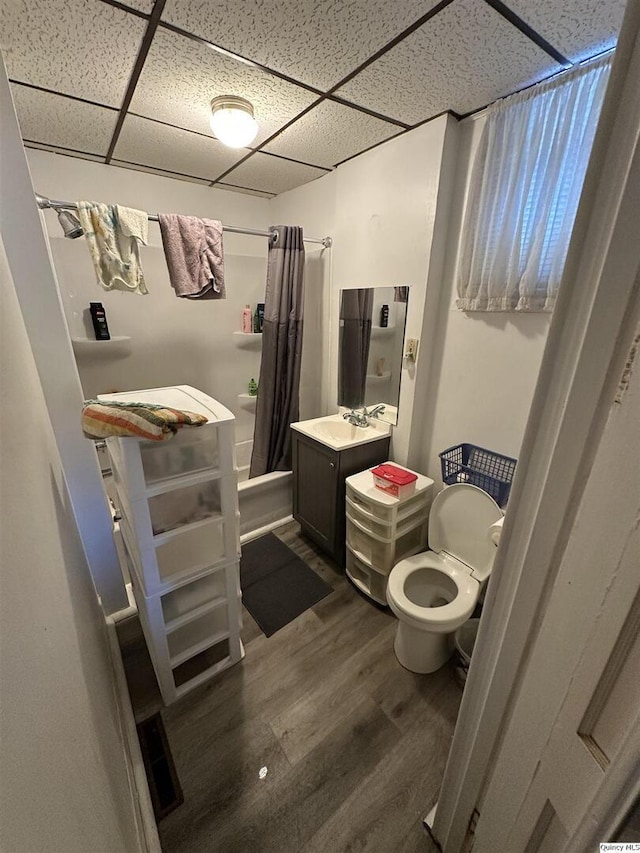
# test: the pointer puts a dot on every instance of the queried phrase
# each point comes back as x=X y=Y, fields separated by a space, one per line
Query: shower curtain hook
x=273 y=238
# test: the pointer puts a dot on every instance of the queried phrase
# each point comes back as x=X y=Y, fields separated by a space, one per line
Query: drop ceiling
x=129 y=83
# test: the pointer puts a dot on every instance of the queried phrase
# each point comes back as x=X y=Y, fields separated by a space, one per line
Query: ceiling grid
x=129 y=82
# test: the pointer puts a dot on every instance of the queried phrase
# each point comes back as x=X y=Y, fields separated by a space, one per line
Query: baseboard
x=267 y=528
x=138 y=786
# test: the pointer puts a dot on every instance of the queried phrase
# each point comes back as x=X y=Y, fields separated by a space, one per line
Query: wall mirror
x=371 y=341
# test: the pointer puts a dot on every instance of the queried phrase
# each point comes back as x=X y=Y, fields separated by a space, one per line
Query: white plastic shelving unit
x=382 y=530
x=178 y=501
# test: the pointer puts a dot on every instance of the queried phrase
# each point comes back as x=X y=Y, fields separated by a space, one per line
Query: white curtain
x=525 y=187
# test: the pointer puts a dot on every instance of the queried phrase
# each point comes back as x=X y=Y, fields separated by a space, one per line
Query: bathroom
x=394 y=214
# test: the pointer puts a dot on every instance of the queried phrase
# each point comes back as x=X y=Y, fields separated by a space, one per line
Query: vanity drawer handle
x=332 y=464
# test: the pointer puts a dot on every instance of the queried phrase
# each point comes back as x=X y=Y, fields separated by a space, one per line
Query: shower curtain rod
x=43 y=203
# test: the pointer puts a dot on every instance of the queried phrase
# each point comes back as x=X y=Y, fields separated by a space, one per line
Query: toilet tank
x=459 y=523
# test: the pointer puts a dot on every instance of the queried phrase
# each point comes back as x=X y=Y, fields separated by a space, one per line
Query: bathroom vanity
x=325 y=452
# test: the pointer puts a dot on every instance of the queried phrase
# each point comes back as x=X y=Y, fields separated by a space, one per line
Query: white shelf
x=379 y=331
x=116 y=347
x=248 y=340
x=248 y=401
x=373 y=377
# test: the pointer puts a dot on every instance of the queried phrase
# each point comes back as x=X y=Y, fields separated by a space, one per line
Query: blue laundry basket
x=467 y=463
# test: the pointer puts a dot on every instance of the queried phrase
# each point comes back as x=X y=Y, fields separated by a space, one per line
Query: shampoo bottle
x=246 y=320
x=384 y=316
x=99 y=320
x=253 y=388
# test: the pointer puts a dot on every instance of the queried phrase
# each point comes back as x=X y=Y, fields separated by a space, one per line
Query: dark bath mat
x=277 y=586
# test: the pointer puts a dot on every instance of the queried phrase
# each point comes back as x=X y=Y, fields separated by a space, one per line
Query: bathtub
x=265 y=501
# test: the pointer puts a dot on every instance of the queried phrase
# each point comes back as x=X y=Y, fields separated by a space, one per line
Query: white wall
x=173 y=340
x=484 y=366
x=395 y=215
x=63 y=780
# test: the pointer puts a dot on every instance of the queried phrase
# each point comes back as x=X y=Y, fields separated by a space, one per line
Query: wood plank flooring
x=318 y=742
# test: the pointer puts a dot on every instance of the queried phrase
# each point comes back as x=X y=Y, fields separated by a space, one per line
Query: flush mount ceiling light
x=232 y=121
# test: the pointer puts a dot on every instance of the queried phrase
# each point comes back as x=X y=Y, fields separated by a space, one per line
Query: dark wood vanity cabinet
x=319 y=473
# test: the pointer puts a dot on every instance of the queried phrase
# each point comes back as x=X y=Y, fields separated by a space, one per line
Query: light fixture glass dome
x=232 y=121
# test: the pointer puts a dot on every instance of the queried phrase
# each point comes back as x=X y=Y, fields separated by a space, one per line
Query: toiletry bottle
x=253 y=388
x=256 y=321
x=246 y=320
x=384 y=316
x=99 y=320
x=260 y=310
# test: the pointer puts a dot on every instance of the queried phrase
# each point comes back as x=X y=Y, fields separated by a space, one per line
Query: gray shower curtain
x=355 y=336
x=279 y=384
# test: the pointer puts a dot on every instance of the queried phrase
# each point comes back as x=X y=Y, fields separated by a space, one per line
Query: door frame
x=588 y=344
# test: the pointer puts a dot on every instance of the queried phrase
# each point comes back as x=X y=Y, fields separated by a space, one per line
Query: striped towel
x=141 y=420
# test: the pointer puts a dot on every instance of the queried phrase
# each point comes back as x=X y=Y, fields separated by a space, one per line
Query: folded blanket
x=142 y=420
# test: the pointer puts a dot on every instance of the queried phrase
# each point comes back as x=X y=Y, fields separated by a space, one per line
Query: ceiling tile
x=243 y=190
x=579 y=29
x=271 y=174
x=180 y=77
x=135 y=167
x=54 y=149
x=152 y=144
x=317 y=42
x=330 y=133
x=462 y=59
x=145 y=6
x=77 y=47
x=56 y=120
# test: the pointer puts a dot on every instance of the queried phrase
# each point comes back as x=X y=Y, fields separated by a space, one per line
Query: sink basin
x=335 y=432
x=342 y=430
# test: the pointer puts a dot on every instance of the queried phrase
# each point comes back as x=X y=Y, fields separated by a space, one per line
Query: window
x=525 y=187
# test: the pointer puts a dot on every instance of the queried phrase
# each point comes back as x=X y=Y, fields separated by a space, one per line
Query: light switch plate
x=411 y=349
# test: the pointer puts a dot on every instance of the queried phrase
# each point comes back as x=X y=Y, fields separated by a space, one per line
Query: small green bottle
x=253 y=388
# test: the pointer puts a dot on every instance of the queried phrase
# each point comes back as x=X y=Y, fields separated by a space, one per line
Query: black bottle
x=384 y=316
x=99 y=319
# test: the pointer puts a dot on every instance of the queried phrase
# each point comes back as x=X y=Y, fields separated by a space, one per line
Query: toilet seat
x=444 y=619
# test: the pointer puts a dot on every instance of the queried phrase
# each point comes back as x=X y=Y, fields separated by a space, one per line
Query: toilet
x=433 y=593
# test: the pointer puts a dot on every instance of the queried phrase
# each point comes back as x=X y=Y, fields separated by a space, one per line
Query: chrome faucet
x=361 y=419
x=375 y=412
x=356 y=418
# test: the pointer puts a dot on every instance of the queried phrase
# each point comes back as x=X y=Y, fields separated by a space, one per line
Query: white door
x=576 y=720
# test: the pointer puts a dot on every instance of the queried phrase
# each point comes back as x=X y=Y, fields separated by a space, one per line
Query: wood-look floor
x=319 y=741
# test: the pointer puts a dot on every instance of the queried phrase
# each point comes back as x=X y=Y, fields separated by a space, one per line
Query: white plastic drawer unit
x=196 y=636
x=414 y=511
x=192 y=449
x=182 y=604
x=178 y=507
x=180 y=554
x=383 y=554
x=366 y=578
x=146 y=466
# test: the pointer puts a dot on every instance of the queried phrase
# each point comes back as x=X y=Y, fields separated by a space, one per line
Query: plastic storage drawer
x=384 y=529
x=383 y=554
x=366 y=578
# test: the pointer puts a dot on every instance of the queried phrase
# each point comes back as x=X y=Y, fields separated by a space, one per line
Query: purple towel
x=193 y=249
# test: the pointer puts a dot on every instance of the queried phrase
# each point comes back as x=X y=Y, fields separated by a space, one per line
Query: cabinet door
x=315 y=485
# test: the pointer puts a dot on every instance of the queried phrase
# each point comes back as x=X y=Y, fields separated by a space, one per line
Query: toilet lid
x=459 y=523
